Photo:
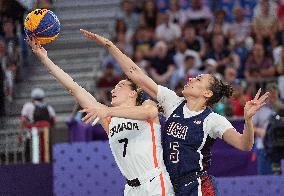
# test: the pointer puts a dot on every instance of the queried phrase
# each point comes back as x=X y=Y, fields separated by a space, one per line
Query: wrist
x=247 y=119
x=108 y=44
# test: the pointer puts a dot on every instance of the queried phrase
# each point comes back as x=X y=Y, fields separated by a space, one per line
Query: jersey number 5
x=125 y=141
x=175 y=152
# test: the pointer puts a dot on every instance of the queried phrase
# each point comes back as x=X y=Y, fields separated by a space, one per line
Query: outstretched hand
x=93 y=113
x=97 y=38
x=254 y=105
x=36 y=47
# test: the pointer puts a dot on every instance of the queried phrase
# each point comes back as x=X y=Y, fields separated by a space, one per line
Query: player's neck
x=128 y=103
x=196 y=105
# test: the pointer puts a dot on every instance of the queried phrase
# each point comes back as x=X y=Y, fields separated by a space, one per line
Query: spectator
x=264 y=22
x=193 y=41
x=181 y=51
x=198 y=15
x=109 y=78
x=162 y=65
x=37 y=110
x=10 y=72
x=258 y=65
x=143 y=40
x=219 y=21
x=230 y=74
x=130 y=18
x=210 y=66
x=188 y=71
x=149 y=14
x=219 y=52
x=260 y=121
x=240 y=29
x=278 y=57
x=167 y=31
x=11 y=40
x=13 y=54
x=238 y=99
x=279 y=35
x=175 y=12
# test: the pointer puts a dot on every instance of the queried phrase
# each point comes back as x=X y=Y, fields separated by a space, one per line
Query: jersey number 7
x=125 y=141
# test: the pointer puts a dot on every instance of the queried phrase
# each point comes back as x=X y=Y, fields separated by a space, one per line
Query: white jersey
x=136 y=146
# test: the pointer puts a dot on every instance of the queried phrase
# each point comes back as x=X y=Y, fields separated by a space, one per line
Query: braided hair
x=219 y=90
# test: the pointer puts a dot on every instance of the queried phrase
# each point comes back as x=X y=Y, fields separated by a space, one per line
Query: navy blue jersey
x=186 y=147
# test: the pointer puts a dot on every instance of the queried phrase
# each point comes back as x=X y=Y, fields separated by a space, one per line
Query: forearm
x=127 y=65
x=135 y=113
x=132 y=71
x=247 y=138
x=84 y=98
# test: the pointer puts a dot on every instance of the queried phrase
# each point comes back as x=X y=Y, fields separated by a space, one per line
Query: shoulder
x=215 y=118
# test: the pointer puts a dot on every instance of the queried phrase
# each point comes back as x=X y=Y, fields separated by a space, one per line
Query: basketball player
x=191 y=126
x=135 y=144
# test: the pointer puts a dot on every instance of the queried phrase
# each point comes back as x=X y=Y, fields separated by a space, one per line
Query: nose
x=112 y=91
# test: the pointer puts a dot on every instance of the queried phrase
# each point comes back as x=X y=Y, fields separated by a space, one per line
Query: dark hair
x=219 y=90
x=134 y=87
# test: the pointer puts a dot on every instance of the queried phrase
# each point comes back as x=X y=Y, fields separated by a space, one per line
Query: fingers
x=88 y=34
x=257 y=94
x=33 y=43
x=263 y=97
x=89 y=117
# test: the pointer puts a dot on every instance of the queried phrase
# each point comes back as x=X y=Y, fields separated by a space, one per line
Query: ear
x=132 y=94
x=208 y=93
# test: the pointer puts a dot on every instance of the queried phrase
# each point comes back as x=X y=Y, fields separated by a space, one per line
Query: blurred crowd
x=172 y=42
x=11 y=18
x=242 y=44
x=12 y=46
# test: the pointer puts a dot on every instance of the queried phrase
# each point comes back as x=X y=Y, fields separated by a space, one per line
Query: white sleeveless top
x=136 y=146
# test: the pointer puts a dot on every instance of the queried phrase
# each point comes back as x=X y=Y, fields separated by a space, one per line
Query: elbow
x=246 y=148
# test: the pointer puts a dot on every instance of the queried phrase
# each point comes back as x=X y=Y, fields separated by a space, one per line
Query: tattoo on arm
x=107 y=43
x=132 y=69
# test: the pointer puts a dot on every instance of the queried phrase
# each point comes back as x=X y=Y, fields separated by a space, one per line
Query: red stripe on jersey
x=155 y=157
x=207 y=187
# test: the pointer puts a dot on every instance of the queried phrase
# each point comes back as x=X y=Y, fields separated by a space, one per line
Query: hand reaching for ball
x=37 y=49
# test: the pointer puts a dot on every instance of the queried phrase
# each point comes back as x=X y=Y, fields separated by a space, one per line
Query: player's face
x=121 y=93
x=197 y=87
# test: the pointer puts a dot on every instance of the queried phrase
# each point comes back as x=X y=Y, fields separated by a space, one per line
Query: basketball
x=43 y=25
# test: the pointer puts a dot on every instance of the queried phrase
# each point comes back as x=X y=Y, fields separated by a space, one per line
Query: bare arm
x=147 y=111
x=84 y=98
x=245 y=141
x=132 y=71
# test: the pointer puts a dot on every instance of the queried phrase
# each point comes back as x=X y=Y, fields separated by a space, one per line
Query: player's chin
x=114 y=102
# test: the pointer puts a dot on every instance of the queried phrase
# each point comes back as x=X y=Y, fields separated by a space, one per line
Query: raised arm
x=133 y=72
x=84 y=98
x=245 y=141
x=147 y=111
